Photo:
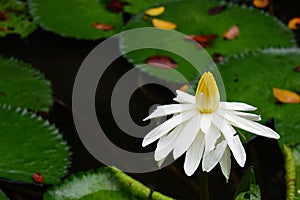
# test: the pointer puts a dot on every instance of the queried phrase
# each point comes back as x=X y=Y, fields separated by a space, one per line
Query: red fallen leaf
x=3 y=15
x=232 y=33
x=286 y=96
x=104 y=27
x=298 y=68
x=203 y=40
x=217 y=57
x=217 y=9
x=160 y=61
x=38 y=178
x=3 y=29
x=116 y=6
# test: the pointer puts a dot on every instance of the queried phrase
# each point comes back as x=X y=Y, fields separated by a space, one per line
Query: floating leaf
x=286 y=96
x=95 y=184
x=75 y=18
x=21 y=85
x=15 y=19
x=155 y=11
x=204 y=40
x=163 y=62
x=249 y=78
x=260 y=3
x=255 y=26
x=217 y=9
x=30 y=145
x=104 y=27
x=232 y=33
x=294 y=23
x=158 y=23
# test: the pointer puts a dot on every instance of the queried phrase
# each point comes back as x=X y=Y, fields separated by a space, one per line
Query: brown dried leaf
x=203 y=40
x=160 y=61
x=116 y=6
x=232 y=33
x=286 y=96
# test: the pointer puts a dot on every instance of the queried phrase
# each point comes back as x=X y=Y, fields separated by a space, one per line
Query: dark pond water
x=59 y=59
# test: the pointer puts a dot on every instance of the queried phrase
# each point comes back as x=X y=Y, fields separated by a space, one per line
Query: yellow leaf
x=286 y=96
x=158 y=23
x=260 y=3
x=155 y=11
x=294 y=23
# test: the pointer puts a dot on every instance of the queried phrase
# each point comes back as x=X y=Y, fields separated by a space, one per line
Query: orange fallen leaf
x=160 y=61
x=232 y=33
x=155 y=11
x=3 y=29
x=286 y=96
x=294 y=23
x=260 y=3
x=104 y=27
x=158 y=23
x=184 y=87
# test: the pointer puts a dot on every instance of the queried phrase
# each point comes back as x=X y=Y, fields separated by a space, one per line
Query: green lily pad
x=75 y=18
x=3 y=196
x=106 y=181
x=30 y=145
x=250 y=79
x=15 y=18
x=135 y=7
x=21 y=85
x=257 y=30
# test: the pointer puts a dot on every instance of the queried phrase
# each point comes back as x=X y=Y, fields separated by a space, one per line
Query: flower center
x=207 y=94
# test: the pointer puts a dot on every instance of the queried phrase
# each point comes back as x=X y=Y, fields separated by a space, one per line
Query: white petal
x=170 y=109
x=236 y=106
x=251 y=126
x=227 y=130
x=183 y=97
x=167 y=126
x=205 y=122
x=238 y=150
x=225 y=163
x=213 y=157
x=167 y=143
x=211 y=138
x=187 y=136
x=248 y=116
x=193 y=155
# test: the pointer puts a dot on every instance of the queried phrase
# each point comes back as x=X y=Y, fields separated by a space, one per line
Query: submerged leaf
x=286 y=96
x=155 y=11
x=294 y=23
x=160 y=61
x=260 y=3
x=217 y=9
x=158 y=23
x=232 y=33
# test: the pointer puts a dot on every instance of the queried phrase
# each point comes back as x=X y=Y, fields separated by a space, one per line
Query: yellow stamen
x=207 y=94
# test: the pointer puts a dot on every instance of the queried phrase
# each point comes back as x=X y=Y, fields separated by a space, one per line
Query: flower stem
x=204 y=194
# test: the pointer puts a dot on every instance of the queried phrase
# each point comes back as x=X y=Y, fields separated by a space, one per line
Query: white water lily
x=202 y=126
